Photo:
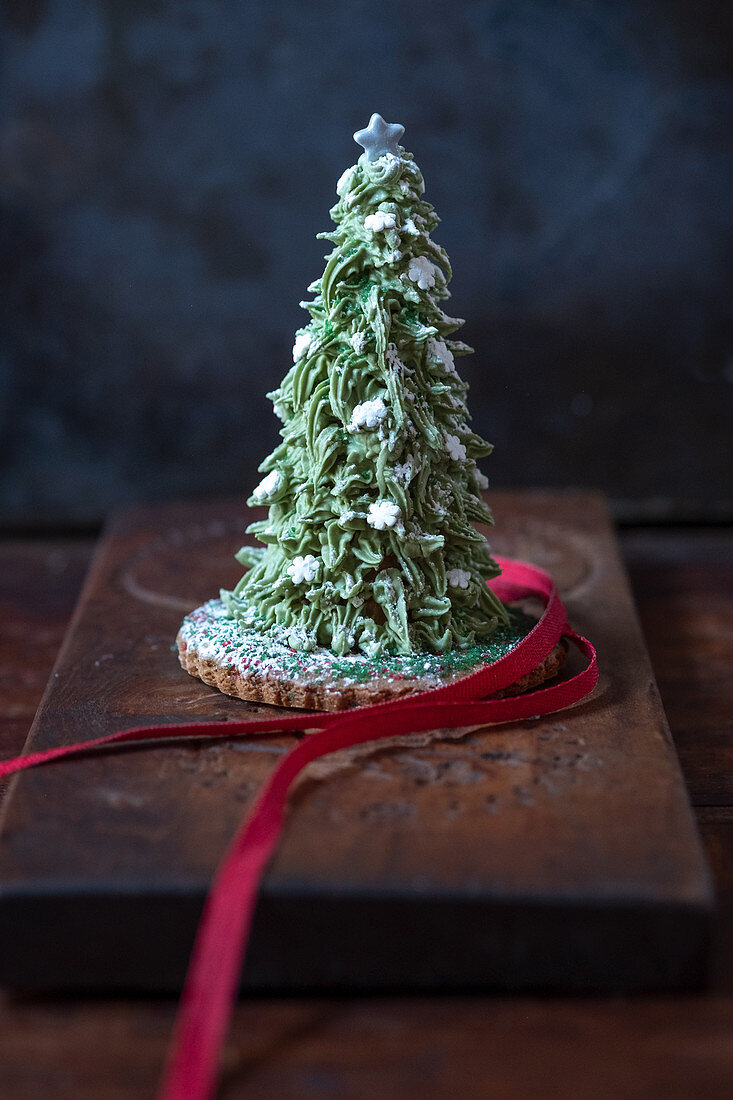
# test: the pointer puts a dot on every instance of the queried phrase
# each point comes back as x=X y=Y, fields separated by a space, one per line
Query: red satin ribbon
x=221 y=940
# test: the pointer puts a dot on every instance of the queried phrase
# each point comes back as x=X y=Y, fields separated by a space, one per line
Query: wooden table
x=427 y=1046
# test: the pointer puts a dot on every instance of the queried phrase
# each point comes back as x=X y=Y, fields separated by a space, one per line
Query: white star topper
x=379 y=137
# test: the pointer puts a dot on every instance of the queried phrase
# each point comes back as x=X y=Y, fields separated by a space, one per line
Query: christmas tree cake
x=371 y=580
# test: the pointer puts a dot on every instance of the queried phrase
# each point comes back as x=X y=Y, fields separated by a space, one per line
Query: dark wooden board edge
x=411 y=945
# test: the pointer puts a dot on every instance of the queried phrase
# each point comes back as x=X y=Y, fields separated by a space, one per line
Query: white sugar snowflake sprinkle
x=382 y=514
x=481 y=479
x=411 y=228
x=369 y=414
x=358 y=342
x=458 y=578
x=303 y=341
x=379 y=222
x=268 y=485
x=303 y=569
x=279 y=411
x=403 y=472
x=422 y=272
x=454 y=447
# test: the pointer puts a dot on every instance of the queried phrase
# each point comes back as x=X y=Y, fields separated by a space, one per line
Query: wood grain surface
x=553 y=854
x=640 y=1047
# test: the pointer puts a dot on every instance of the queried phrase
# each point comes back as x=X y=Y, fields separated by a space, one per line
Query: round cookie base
x=239 y=661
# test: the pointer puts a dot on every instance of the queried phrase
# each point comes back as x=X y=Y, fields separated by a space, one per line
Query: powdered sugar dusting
x=393 y=358
x=358 y=342
x=246 y=651
x=303 y=341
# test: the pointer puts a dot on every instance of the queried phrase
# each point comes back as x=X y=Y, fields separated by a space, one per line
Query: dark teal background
x=164 y=168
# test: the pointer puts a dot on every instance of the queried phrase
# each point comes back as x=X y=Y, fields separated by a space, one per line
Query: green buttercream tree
x=370 y=544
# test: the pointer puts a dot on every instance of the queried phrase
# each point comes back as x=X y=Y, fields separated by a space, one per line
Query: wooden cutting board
x=556 y=854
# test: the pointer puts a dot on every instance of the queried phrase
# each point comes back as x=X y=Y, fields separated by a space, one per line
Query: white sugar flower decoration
x=269 y=485
x=377 y=223
x=455 y=448
x=382 y=514
x=481 y=479
x=369 y=414
x=303 y=569
x=458 y=578
x=303 y=341
x=422 y=272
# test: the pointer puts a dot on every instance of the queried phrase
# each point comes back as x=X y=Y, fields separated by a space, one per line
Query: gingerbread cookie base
x=240 y=661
